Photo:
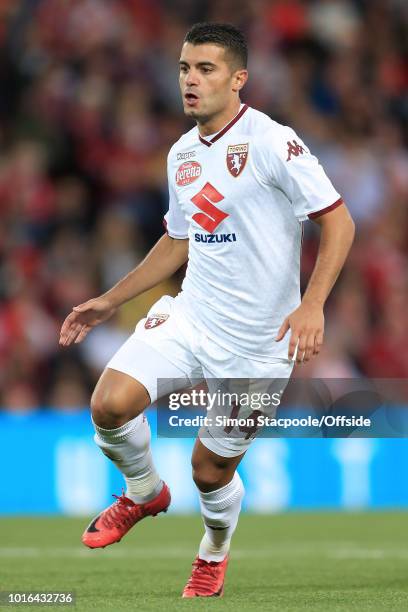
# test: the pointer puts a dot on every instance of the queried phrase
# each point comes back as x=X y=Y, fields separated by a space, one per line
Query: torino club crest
x=237 y=156
x=155 y=320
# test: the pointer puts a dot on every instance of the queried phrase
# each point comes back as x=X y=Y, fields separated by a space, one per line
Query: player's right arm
x=164 y=259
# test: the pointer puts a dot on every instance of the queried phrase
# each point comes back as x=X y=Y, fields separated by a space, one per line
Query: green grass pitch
x=294 y=561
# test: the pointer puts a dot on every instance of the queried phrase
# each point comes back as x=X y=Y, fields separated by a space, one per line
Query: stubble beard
x=196 y=115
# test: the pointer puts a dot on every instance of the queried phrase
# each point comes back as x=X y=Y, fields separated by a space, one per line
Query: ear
x=239 y=79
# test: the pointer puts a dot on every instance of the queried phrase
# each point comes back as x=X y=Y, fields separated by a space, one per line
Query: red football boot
x=207 y=578
x=113 y=523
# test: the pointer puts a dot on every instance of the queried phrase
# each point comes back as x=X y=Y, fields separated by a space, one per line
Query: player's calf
x=122 y=433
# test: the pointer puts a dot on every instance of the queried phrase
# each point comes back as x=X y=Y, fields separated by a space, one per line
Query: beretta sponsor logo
x=187 y=173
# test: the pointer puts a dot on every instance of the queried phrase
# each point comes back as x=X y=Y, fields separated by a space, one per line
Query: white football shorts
x=167 y=353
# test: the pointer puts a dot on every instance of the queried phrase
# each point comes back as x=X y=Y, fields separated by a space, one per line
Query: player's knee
x=207 y=476
x=110 y=408
x=106 y=408
x=117 y=399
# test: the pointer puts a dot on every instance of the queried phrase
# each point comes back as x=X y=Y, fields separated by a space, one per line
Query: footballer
x=240 y=187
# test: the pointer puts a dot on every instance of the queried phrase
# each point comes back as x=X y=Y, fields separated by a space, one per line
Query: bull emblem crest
x=237 y=156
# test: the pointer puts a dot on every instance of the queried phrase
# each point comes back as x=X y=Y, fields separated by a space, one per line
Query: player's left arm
x=306 y=323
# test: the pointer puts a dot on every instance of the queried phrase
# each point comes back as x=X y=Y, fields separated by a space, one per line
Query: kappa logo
x=155 y=320
x=187 y=173
x=237 y=156
x=294 y=148
x=186 y=155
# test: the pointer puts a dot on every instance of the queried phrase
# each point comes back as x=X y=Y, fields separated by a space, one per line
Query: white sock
x=220 y=511
x=128 y=447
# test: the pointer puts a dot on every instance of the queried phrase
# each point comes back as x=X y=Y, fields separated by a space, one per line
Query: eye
x=206 y=70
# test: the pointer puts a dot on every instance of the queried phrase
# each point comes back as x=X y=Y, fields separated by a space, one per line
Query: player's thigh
x=153 y=362
x=138 y=374
x=240 y=403
x=119 y=397
x=159 y=352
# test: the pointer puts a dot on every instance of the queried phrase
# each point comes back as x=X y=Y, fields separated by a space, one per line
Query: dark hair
x=222 y=34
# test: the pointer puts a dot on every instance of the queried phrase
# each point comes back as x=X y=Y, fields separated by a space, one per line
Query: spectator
x=86 y=120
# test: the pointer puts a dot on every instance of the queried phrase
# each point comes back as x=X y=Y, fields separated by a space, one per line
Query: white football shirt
x=240 y=197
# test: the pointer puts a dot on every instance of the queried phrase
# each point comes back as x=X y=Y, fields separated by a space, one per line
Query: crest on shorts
x=155 y=320
x=237 y=156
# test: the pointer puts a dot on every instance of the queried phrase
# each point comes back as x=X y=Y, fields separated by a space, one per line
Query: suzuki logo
x=211 y=216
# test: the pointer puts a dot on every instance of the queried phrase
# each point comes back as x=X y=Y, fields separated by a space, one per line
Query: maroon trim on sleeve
x=165 y=224
x=326 y=210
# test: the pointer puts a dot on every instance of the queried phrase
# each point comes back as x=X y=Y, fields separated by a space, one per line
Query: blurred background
x=89 y=108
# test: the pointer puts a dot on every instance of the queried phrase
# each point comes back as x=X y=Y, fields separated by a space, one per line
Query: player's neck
x=217 y=122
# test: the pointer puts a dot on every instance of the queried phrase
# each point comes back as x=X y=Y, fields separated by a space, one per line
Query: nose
x=192 y=78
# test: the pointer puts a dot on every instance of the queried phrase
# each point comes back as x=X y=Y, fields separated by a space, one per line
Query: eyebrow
x=200 y=64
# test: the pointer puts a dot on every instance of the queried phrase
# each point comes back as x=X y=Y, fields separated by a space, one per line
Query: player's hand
x=307 y=328
x=83 y=318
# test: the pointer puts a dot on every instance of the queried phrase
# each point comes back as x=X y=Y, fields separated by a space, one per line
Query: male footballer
x=240 y=187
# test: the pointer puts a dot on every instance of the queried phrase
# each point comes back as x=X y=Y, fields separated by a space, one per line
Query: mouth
x=191 y=98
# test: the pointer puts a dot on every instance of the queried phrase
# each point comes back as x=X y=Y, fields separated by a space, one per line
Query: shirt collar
x=211 y=139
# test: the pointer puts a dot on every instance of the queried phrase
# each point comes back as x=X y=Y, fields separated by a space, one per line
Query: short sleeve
x=174 y=220
x=298 y=173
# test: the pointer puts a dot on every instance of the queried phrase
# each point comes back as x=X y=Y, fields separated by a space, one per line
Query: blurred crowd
x=88 y=110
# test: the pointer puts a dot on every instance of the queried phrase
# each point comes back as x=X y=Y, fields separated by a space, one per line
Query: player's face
x=208 y=82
